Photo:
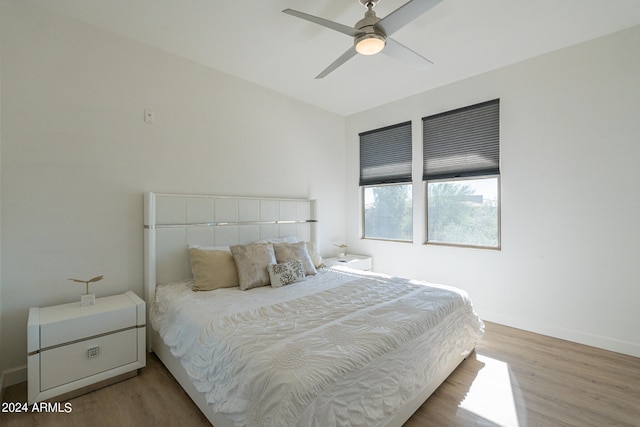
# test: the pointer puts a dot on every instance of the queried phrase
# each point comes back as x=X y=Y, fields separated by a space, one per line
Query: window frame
x=363 y=235
x=425 y=238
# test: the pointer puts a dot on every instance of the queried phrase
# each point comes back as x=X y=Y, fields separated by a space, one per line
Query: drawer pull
x=93 y=352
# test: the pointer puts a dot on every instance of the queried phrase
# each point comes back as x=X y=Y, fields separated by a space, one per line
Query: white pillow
x=314 y=254
x=286 y=273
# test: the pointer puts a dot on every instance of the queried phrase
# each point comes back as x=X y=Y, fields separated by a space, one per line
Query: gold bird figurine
x=86 y=282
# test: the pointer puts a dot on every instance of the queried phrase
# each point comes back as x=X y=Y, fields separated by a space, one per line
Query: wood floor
x=514 y=378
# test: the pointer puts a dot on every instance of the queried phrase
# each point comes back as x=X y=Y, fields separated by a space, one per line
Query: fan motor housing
x=367 y=24
x=368 y=29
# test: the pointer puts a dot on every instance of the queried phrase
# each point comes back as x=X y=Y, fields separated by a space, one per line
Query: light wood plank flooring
x=514 y=378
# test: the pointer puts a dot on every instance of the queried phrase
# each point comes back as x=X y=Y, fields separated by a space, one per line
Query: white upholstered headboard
x=174 y=221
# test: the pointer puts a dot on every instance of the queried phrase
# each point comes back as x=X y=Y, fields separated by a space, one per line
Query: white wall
x=570 y=127
x=77 y=155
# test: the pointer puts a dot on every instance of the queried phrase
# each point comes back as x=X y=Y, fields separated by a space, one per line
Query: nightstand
x=357 y=262
x=73 y=349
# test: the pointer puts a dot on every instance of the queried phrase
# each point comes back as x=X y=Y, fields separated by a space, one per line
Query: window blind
x=385 y=155
x=463 y=142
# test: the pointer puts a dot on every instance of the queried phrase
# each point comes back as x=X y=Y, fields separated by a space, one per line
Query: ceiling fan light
x=370 y=44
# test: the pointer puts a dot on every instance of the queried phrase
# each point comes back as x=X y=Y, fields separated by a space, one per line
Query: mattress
x=339 y=348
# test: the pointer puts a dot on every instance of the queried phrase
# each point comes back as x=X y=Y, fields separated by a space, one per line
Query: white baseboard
x=605 y=343
x=13 y=376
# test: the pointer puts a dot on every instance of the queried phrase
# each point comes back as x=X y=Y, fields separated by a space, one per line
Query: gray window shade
x=385 y=155
x=463 y=142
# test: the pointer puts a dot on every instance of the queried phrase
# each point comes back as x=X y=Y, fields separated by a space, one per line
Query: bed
x=318 y=346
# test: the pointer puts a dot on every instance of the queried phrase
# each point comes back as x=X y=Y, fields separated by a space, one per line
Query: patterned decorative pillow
x=286 y=273
x=287 y=252
x=252 y=262
x=212 y=269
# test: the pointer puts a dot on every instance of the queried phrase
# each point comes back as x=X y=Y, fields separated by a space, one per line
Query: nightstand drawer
x=64 y=364
x=70 y=322
x=357 y=262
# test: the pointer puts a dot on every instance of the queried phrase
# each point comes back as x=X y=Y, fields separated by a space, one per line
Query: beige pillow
x=212 y=269
x=287 y=252
x=251 y=262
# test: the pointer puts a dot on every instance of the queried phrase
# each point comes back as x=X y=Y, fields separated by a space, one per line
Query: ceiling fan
x=371 y=34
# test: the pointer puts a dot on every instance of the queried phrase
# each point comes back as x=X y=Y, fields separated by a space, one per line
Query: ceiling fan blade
x=405 y=14
x=350 y=31
x=338 y=62
x=402 y=53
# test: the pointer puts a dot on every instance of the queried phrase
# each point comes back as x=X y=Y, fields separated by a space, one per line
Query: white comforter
x=340 y=348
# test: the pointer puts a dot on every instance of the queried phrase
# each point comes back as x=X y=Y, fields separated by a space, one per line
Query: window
x=462 y=175
x=385 y=178
x=463 y=212
x=388 y=212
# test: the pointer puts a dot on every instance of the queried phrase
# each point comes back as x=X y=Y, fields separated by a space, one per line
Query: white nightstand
x=358 y=262
x=72 y=347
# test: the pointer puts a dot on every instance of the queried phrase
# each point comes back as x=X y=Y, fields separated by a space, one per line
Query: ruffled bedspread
x=340 y=348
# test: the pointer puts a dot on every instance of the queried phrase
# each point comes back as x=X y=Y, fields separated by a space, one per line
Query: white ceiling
x=255 y=41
